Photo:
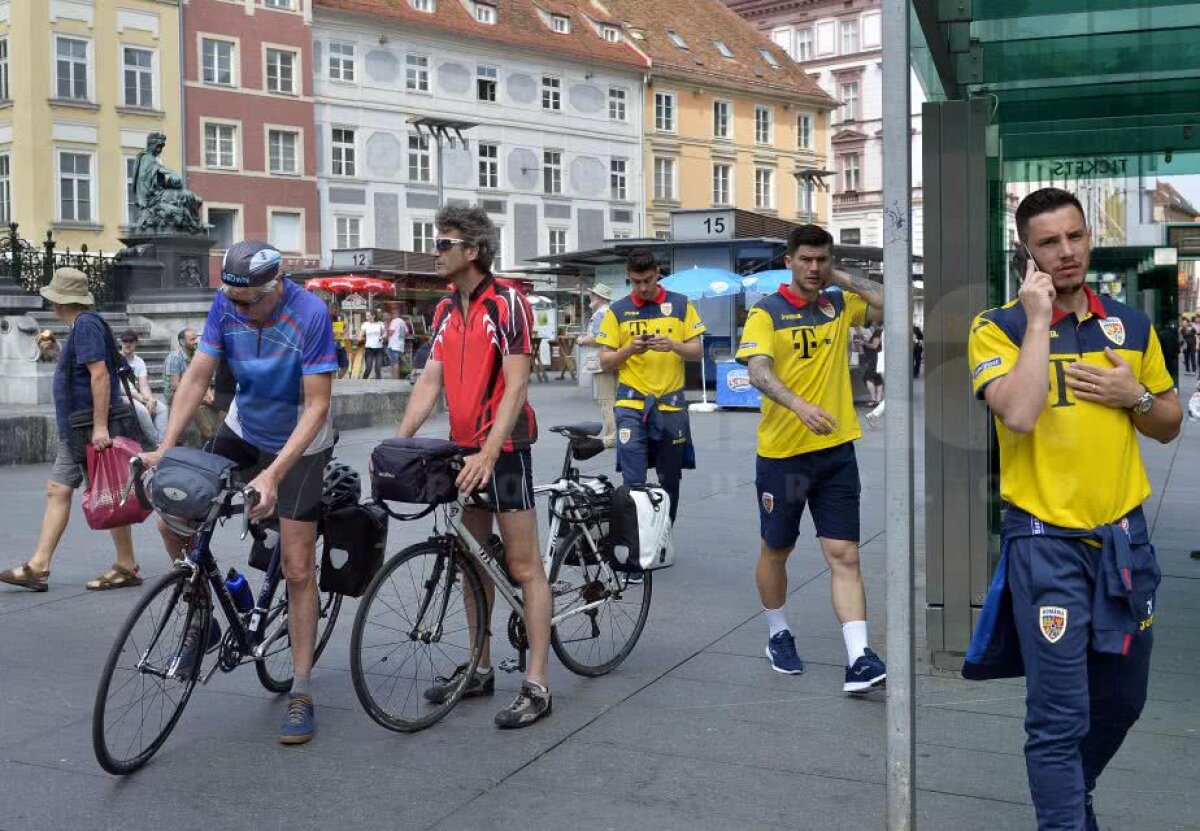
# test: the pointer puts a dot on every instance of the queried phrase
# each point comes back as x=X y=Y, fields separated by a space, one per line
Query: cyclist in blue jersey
x=277 y=340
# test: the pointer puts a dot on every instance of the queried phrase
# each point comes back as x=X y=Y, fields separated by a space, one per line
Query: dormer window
x=427 y=6
x=560 y=23
x=725 y=51
x=611 y=34
x=677 y=39
x=485 y=13
x=769 y=58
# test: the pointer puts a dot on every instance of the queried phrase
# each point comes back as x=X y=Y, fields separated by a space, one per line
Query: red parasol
x=329 y=284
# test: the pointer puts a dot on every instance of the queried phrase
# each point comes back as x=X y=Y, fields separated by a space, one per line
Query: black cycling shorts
x=511 y=487
x=299 y=496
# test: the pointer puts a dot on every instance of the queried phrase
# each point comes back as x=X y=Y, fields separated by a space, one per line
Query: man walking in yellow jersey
x=645 y=339
x=796 y=344
x=1071 y=378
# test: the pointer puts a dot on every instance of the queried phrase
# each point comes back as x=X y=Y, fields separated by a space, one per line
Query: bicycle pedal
x=509 y=665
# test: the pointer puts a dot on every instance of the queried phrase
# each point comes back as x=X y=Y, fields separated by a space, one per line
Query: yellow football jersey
x=809 y=348
x=650 y=373
x=1080 y=466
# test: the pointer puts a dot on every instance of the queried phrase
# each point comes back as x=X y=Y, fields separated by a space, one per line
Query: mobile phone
x=1020 y=259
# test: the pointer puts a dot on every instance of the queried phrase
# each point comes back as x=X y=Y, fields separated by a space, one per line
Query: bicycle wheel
x=275 y=669
x=139 y=701
x=413 y=629
x=594 y=641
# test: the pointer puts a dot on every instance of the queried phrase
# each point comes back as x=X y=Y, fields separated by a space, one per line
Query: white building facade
x=555 y=156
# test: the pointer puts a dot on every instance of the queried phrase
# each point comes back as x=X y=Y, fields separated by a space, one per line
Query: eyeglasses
x=253 y=301
x=446 y=243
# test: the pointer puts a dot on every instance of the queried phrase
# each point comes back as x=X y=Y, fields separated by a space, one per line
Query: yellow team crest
x=1053 y=620
x=1113 y=329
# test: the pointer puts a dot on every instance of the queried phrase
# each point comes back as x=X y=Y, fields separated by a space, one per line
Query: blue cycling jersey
x=269 y=363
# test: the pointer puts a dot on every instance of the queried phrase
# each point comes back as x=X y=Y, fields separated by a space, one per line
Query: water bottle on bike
x=239 y=589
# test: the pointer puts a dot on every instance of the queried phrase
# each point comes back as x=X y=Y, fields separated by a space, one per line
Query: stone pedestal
x=164 y=274
x=15 y=300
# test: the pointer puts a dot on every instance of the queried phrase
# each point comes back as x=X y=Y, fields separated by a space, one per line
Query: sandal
x=118 y=577
x=26 y=578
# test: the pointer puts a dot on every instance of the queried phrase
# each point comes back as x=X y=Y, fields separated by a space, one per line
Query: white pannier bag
x=639 y=529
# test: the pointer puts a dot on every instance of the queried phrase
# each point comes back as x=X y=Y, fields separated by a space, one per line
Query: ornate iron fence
x=31 y=266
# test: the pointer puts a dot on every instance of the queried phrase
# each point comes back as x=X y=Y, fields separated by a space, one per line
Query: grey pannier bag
x=187 y=481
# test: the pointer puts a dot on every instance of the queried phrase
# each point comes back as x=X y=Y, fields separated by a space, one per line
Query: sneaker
x=532 y=703
x=867 y=673
x=190 y=652
x=481 y=683
x=299 y=722
x=781 y=651
x=635 y=578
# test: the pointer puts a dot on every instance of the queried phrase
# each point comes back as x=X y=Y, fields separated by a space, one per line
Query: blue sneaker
x=781 y=650
x=299 y=722
x=867 y=673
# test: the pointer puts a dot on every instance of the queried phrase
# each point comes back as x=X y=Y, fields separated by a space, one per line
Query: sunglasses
x=446 y=243
x=246 y=304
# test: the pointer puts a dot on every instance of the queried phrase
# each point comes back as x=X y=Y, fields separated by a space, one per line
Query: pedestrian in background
x=151 y=412
x=918 y=350
x=1071 y=378
x=85 y=384
x=604 y=384
x=397 y=345
x=208 y=416
x=872 y=377
x=371 y=336
x=339 y=341
x=1187 y=340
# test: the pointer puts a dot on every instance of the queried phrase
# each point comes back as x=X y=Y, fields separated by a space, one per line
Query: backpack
x=639 y=529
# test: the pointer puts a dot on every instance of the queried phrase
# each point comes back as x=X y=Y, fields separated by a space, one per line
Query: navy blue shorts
x=826 y=480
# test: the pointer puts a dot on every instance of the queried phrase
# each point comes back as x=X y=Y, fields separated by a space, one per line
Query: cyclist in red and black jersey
x=481 y=357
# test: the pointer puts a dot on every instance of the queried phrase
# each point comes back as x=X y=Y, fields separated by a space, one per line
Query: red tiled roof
x=700 y=23
x=518 y=24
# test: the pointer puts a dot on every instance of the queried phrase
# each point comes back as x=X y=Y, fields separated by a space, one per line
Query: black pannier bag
x=186 y=482
x=416 y=470
x=355 y=537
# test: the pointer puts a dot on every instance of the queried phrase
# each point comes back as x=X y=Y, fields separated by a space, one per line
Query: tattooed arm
x=868 y=290
x=764 y=379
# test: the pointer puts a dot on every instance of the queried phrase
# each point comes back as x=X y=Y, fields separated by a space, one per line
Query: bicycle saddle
x=583 y=428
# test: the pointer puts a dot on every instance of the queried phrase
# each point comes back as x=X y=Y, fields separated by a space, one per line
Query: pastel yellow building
x=82 y=84
x=730 y=119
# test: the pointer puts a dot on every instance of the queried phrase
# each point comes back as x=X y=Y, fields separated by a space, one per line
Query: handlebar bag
x=639 y=529
x=417 y=470
x=187 y=481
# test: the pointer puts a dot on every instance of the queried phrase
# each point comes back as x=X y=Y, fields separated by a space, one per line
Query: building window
x=616 y=104
x=281 y=71
x=783 y=39
x=677 y=39
x=664 y=178
x=725 y=51
x=485 y=13
x=486 y=81
x=131 y=208
x=850 y=172
x=803 y=50
x=498 y=249
x=341 y=62
x=870 y=30
x=722 y=175
x=220 y=146
x=286 y=232
x=420 y=166
x=72 y=67
x=551 y=93
x=804 y=197
x=489 y=165
x=5 y=190
x=618 y=178
x=722 y=119
x=764 y=181
x=75 y=187
x=552 y=171
x=849 y=37
x=416 y=73
x=850 y=101
x=560 y=24
x=558 y=241
x=342 y=153
x=769 y=57
x=286 y=5
x=764 y=124
x=427 y=6
x=217 y=62
x=4 y=91
x=349 y=231
x=283 y=152
x=138 y=66
x=611 y=34
x=664 y=112
x=224 y=226
x=804 y=131
x=423 y=234
x=850 y=236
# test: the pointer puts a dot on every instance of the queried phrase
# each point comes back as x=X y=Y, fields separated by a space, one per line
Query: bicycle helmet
x=342 y=485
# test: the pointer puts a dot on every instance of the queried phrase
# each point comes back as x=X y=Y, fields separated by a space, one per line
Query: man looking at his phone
x=645 y=339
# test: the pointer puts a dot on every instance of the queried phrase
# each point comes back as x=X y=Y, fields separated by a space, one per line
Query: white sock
x=854 y=634
x=777 y=620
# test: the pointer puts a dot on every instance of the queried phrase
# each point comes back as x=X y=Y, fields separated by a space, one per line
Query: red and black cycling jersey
x=499 y=322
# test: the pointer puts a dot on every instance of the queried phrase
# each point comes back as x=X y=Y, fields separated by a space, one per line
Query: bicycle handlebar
x=250 y=498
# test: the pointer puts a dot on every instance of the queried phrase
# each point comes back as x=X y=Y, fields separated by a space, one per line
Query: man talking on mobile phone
x=645 y=339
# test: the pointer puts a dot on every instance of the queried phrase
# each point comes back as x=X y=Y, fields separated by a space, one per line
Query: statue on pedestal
x=165 y=206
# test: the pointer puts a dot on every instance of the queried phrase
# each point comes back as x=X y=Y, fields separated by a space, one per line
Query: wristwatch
x=1143 y=404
